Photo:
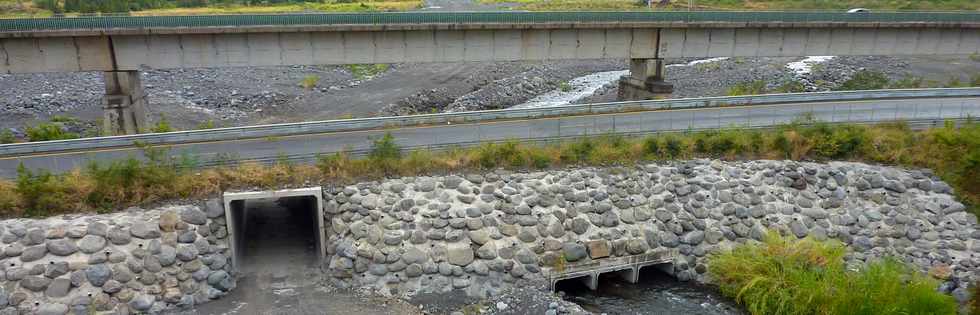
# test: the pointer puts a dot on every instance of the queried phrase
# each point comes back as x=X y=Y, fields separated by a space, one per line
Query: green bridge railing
x=136 y=22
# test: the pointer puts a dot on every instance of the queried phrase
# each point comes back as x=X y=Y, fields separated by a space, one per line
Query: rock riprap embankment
x=131 y=262
x=480 y=233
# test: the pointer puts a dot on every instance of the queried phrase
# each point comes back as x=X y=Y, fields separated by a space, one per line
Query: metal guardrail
x=278 y=130
x=112 y=22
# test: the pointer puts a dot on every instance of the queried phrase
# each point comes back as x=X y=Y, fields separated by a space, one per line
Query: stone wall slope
x=138 y=261
x=482 y=232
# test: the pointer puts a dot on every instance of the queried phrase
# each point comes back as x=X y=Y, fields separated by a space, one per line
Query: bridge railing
x=280 y=130
x=234 y=20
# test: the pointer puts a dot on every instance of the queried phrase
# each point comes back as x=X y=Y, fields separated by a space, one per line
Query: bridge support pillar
x=645 y=81
x=124 y=104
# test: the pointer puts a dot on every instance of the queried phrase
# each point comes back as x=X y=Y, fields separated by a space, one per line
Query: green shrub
x=908 y=82
x=206 y=125
x=309 y=81
x=791 y=86
x=954 y=82
x=7 y=137
x=48 y=132
x=747 y=88
x=367 y=71
x=539 y=159
x=41 y=193
x=865 y=80
x=651 y=146
x=673 y=147
x=163 y=125
x=564 y=87
x=783 y=275
x=577 y=151
x=385 y=153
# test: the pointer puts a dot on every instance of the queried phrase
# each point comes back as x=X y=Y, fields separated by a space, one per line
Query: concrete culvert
x=279 y=230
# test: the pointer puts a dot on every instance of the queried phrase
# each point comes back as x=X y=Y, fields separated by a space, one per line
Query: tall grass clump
x=385 y=153
x=783 y=275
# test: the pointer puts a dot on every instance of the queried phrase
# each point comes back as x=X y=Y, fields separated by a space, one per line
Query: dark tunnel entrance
x=280 y=228
x=278 y=232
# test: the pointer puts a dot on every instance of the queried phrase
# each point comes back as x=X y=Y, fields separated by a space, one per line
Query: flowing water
x=587 y=85
x=655 y=293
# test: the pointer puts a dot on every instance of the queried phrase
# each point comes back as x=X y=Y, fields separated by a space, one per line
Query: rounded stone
x=193 y=215
x=119 y=236
x=61 y=247
x=35 y=283
x=97 y=275
x=142 y=302
x=52 y=309
x=33 y=253
x=574 y=252
x=91 y=243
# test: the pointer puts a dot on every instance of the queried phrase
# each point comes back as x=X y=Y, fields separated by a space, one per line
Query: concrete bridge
x=120 y=46
x=627 y=267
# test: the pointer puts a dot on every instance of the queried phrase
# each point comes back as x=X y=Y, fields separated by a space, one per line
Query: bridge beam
x=124 y=103
x=645 y=81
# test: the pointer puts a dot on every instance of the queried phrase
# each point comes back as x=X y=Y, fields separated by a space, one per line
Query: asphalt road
x=933 y=110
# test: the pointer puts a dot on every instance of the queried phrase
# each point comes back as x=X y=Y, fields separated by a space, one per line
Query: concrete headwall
x=131 y=262
x=479 y=233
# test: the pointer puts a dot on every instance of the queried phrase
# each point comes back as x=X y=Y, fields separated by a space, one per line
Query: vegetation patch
x=187 y=7
x=783 y=275
x=367 y=71
x=953 y=153
x=551 y=5
x=309 y=82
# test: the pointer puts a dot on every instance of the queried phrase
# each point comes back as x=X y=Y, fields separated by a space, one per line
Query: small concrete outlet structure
x=235 y=208
x=628 y=267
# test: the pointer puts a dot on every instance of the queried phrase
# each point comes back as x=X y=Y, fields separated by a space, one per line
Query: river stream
x=655 y=293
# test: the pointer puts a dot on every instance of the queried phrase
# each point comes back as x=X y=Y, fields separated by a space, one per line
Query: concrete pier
x=646 y=81
x=124 y=103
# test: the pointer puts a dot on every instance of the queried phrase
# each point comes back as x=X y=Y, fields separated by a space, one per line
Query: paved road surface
x=930 y=109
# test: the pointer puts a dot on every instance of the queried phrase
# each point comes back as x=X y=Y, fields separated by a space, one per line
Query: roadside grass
x=952 y=152
x=572 y=5
x=11 y=9
x=784 y=275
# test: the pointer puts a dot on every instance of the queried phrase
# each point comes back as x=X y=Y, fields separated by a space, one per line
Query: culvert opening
x=275 y=230
x=572 y=285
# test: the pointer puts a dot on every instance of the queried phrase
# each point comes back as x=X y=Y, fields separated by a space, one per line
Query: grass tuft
x=783 y=275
